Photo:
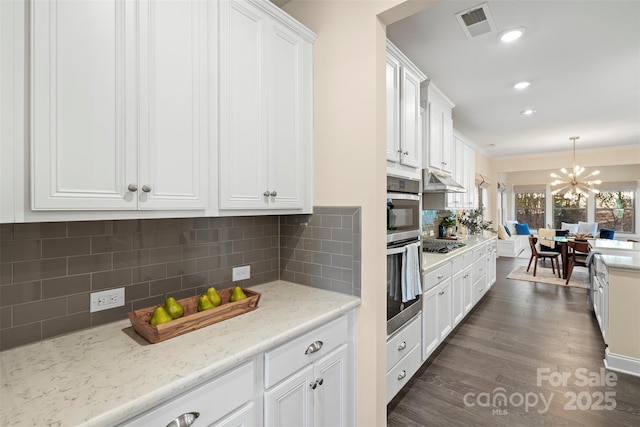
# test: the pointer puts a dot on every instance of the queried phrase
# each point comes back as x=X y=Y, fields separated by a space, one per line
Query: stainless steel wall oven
x=404 y=251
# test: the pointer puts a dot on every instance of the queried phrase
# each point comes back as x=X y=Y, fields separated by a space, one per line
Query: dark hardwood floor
x=518 y=328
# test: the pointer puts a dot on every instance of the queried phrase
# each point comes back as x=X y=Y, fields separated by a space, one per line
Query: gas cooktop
x=441 y=246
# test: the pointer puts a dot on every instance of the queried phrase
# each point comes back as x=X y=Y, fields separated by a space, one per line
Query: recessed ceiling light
x=521 y=85
x=527 y=112
x=512 y=34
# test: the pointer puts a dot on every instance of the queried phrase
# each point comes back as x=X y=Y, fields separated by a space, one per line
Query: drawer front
x=290 y=357
x=432 y=278
x=399 y=345
x=479 y=252
x=457 y=264
x=212 y=400
x=479 y=269
x=401 y=373
x=468 y=259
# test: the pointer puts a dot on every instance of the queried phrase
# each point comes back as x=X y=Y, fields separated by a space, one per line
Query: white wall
x=350 y=160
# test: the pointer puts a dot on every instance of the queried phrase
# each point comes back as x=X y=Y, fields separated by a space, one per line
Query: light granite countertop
x=103 y=375
x=622 y=262
x=615 y=246
x=431 y=260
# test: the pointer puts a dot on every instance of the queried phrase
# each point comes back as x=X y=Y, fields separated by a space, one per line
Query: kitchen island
x=619 y=284
x=107 y=374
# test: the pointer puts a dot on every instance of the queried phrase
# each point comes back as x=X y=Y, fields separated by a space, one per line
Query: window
x=570 y=210
x=615 y=207
x=530 y=205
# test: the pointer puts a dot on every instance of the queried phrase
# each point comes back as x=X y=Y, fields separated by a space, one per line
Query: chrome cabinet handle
x=402 y=374
x=402 y=346
x=313 y=385
x=184 y=420
x=316 y=346
x=440 y=276
x=274 y=193
x=400 y=151
x=319 y=381
x=406 y=153
x=266 y=194
x=146 y=188
x=132 y=187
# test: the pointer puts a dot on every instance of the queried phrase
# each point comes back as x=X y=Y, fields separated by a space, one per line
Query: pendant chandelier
x=571 y=183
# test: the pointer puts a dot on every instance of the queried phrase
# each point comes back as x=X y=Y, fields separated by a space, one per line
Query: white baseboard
x=624 y=364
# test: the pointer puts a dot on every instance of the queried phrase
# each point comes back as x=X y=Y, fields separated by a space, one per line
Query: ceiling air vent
x=476 y=21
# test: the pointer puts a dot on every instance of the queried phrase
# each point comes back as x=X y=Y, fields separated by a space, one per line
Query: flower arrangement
x=472 y=220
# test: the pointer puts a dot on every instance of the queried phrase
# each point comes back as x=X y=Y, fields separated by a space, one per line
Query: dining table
x=563 y=242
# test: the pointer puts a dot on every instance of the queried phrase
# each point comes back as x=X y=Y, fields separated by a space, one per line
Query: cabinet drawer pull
x=132 y=187
x=319 y=381
x=316 y=346
x=402 y=346
x=313 y=385
x=440 y=276
x=274 y=193
x=184 y=420
x=146 y=188
x=266 y=194
x=402 y=374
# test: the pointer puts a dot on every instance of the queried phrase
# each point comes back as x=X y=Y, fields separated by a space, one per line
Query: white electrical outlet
x=105 y=300
x=241 y=273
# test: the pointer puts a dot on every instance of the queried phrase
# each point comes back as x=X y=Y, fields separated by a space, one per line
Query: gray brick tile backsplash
x=54 y=248
x=48 y=270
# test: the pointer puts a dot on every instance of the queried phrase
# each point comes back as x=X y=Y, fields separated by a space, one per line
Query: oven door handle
x=394 y=251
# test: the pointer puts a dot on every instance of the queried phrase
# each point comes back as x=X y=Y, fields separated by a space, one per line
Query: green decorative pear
x=160 y=315
x=237 y=294
x=214 y=296
x=174 y=308
x=204 y=303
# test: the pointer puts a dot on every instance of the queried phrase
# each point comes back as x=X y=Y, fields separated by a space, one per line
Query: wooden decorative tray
x=192 y=319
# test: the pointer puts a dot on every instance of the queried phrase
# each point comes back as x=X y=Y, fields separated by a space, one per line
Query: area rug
x=579 y=277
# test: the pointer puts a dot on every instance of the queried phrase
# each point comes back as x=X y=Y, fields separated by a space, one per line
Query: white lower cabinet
x=228 y=400
x=457 y=289
x=308 y=381
x=403 y=355
x=467 y=282
x=437 y=315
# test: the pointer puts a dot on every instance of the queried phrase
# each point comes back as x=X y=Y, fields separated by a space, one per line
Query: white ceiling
x=582 y=57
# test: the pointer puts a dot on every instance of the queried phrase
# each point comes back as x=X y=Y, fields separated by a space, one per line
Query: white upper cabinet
x=404 y=134
x=119 y=104
x=265 y=125
x=440 y=141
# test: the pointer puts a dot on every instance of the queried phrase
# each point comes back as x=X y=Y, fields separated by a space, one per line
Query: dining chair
x=535 y=253
x=578 y=252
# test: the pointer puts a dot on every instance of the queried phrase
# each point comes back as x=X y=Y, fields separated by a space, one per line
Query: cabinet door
x=430 y=332
x=285 y=64
x=435 y=136
x=410 y=119
x=331 y=396
x=468 y=289
x=447 y=142
x=174 y=100
x=83 y=98
x=289 y=403
x=445 y=317
x=393 y=109
x=457 y=291
x=470 y=177
x=243 y=144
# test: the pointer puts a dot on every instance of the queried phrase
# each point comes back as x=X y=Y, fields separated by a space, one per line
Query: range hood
x=435 y=181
